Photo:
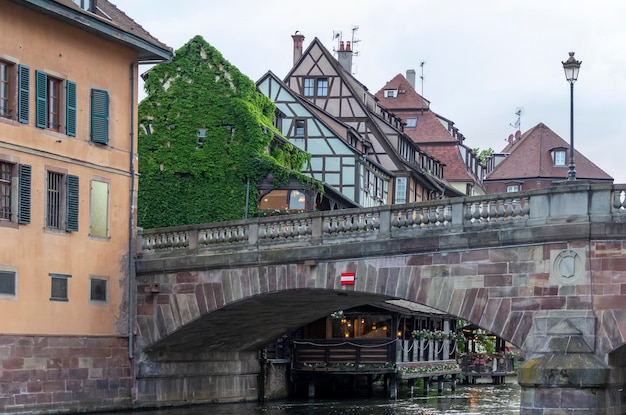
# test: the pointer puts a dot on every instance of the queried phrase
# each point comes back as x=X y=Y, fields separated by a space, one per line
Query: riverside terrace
x=544 y=269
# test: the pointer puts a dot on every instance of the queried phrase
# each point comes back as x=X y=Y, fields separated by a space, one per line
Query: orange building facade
x=68 y=99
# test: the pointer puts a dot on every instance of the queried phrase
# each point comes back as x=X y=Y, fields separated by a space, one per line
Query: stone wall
x=174 y=378
x=72 y=374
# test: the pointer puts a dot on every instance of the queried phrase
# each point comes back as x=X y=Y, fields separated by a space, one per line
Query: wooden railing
x=347 y=355
x=579 y=201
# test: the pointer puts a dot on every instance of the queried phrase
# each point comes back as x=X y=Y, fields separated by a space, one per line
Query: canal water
x=467 y=399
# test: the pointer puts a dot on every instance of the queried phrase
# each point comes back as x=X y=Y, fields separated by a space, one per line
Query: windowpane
x=309 y=88
x=53 y=103
x=58 y=287
x=401 y=190
x=296 y=200
x=322 y=87
x=5 y=90
x=98 y=290
x=559 y=158
x=7 y=283
x=411 y=122
x=300 y=130
x=5 y=191
x=54 y=193
x=512 y=188
x=99 y=209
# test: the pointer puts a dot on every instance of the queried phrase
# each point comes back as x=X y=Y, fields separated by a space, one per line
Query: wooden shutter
x=71 y=222
x=99 y=116
x=70 y=108
x=41 y=91
x=23 y=210
x=23 y=104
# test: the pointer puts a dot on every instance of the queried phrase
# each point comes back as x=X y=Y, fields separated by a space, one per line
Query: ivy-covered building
x=208 y=148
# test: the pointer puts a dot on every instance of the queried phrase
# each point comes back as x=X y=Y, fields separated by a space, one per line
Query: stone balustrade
x=567 y=202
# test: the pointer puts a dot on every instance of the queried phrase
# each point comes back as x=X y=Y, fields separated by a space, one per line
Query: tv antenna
x=422 y=63
x=519 y=111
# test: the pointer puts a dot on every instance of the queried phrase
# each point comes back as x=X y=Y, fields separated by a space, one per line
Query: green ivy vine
x=204 y=134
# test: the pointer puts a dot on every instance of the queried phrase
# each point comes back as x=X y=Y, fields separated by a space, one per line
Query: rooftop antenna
x=519 y=111
x=337 y=35
x=422 y=63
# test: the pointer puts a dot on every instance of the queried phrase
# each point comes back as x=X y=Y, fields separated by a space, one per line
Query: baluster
x=517 y=210
x=493 y=211
x=617 y=200
x=468 y=212
x=395 y=220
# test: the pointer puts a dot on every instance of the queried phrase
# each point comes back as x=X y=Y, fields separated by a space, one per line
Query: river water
x=467 y=399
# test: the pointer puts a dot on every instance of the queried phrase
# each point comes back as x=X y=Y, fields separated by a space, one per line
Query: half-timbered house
x=337 y=150
x=326 y=84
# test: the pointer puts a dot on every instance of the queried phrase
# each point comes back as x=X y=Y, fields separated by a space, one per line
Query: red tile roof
x=530 y=157
x=435 y=135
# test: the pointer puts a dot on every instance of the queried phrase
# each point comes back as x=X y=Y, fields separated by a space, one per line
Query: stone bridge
x=544 y=269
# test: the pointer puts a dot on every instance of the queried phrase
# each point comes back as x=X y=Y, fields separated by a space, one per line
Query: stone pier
x=562 y=374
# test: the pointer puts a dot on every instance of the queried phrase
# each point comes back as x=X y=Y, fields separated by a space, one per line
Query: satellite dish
x=510 y=139
x=518 y=134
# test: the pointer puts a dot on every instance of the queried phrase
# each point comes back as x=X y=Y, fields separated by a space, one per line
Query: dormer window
x=558 y=157
x=87 y=5
x=391 y=93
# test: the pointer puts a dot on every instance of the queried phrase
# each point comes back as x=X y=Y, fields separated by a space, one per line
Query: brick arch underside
x=498 y=289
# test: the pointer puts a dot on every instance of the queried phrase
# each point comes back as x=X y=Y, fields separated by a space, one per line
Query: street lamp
x=571 y=67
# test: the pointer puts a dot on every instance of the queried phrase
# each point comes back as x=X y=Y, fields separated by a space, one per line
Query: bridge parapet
x=571 y=203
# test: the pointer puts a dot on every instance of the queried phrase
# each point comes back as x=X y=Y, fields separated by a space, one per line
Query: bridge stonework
x=545 y=271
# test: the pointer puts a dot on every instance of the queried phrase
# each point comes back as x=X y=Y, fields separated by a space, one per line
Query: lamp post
x=571 y=67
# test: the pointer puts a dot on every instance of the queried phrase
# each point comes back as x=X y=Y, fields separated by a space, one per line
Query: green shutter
x=23 y=104
x=71 y=223
x=70 y=108
x=41 y=88
x=99 y=116
x=23 y=210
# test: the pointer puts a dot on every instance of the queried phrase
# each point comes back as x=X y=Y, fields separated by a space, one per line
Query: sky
x=481 y=61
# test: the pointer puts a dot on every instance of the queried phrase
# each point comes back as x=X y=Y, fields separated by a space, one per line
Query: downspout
x=131 y=220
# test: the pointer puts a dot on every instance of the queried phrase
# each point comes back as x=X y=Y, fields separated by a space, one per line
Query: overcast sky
x=483 y=59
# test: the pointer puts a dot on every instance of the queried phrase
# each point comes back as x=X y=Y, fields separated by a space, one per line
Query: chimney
x=298 y=40
x=344 y=56
x=410 y=76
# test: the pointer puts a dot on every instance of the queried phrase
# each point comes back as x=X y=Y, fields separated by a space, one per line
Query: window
x=296 y=200
x=6 y=87
x=62 y=202
x=559 y=157
x=14 y=91
x=99 y=209
x=51 y=102
x=322 y=87
x=99 y=116
x=411 y=122
x=88 y=5
x=58 y=287
x=309 y=87
x=315 y=87
x=8 y=284
x=400 y=189
x=513 y=187
x=300 y=128
x=391 y=93
x=98 y=289
x=14 y=193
